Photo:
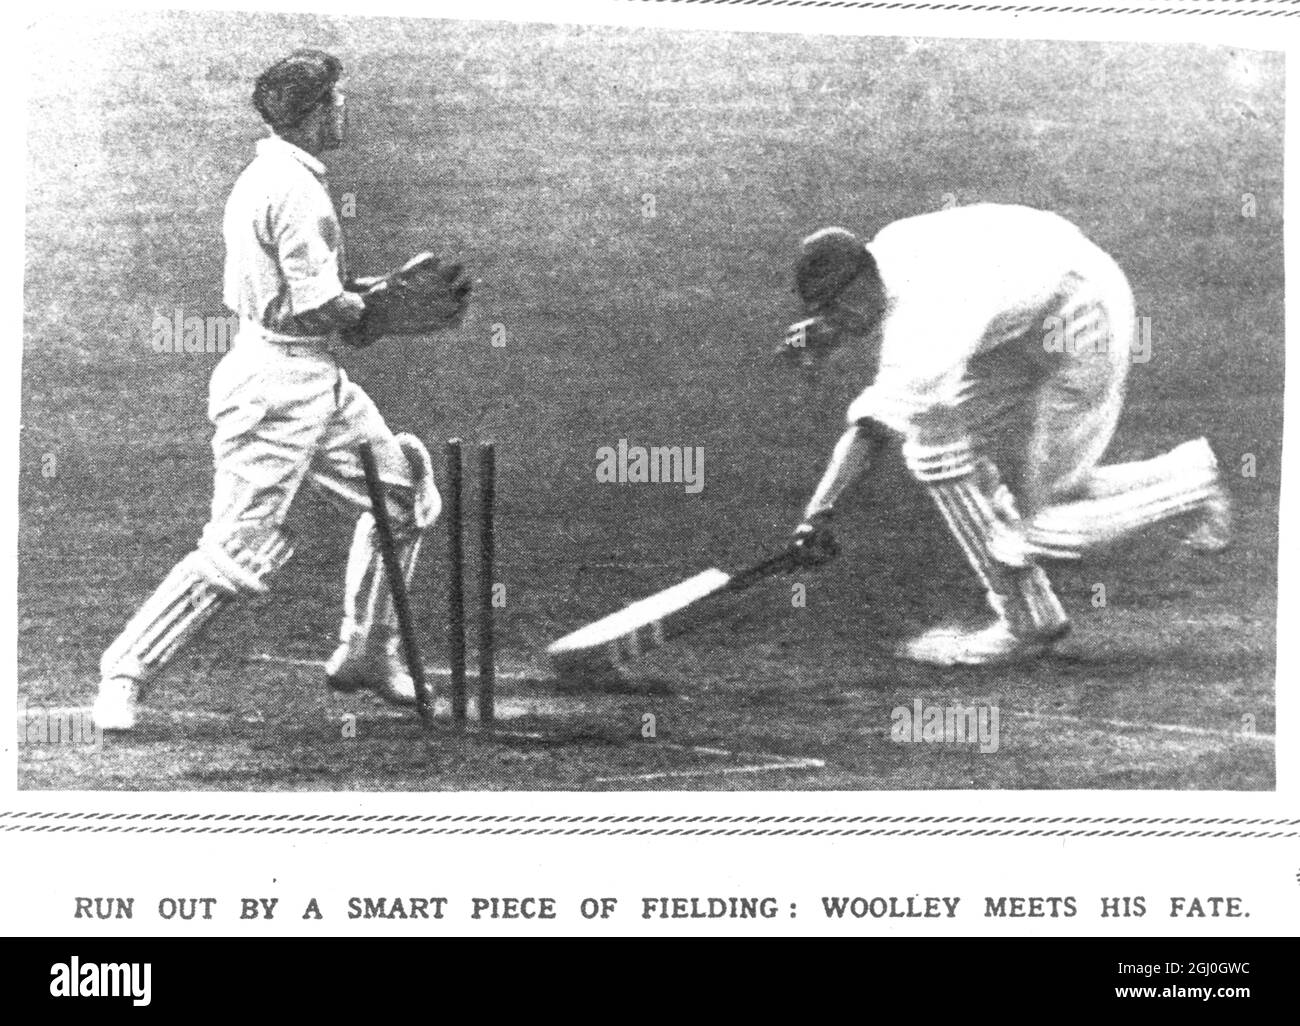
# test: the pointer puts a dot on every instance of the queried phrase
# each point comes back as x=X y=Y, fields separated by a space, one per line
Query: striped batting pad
x=1167 y=486
x=1017 y=590
x=981 y=515
x=197 y=588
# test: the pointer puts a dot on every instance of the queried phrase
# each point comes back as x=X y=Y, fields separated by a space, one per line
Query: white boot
x=114 y=707
x=1213 y=531
x=378 y=668
x=993 y=645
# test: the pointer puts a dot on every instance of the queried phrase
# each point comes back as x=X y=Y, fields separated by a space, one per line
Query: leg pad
x=981 y=514
x=197 y=588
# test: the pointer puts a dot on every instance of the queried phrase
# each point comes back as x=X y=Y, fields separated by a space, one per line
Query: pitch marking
x=713 y=771
x=1171 y=728
x=1098 y=724
x=772 y=763
x=436 y=671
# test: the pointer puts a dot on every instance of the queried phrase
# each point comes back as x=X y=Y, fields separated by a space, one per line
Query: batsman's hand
x=813 y=543
x=807 y=341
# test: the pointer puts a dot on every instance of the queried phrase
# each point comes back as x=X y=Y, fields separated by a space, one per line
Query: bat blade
x=614 y=641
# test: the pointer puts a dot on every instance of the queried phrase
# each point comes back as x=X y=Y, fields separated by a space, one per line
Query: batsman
x=997 y=340
x=285 y=413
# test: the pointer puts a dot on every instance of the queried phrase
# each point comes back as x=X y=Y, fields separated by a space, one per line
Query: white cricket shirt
x=958 y=283
x=284 y=246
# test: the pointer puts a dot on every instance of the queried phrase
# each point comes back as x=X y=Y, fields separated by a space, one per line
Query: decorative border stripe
x=658 y=826
x=1251 y=8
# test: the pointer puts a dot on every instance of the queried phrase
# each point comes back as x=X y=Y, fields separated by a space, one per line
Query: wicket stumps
x=487 y=500
x=453 y=510
x=424 y=697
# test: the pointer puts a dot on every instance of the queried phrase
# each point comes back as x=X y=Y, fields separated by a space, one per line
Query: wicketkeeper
x=285 y=412
x=999 y=339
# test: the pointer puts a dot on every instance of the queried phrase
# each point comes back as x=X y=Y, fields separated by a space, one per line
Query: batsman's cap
x=828 y=260
x=294 y=86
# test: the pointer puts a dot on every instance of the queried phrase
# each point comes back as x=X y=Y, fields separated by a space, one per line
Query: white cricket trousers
x=284 y=413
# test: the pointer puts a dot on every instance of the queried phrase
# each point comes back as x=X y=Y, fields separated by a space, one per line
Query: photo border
x=632 y=13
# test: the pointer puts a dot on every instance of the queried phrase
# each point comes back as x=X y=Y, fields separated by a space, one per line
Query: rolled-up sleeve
x=305 y=233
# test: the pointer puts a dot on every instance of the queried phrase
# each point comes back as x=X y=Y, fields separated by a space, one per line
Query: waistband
x=251 y=331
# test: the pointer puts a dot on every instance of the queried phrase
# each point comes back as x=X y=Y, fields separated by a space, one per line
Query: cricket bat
x=612 y=642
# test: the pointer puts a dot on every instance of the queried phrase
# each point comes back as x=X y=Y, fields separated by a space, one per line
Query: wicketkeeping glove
x=421 y=296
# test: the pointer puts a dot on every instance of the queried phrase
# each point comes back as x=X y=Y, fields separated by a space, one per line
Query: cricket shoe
x=994 y=645
x=1213 y=531
x=380 y=669
x=115 y=705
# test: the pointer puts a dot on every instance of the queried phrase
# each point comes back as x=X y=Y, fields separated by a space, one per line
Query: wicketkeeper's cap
x=829 y=260
x=294 y=86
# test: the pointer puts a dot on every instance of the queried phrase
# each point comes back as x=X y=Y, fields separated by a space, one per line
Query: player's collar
x=274 y=144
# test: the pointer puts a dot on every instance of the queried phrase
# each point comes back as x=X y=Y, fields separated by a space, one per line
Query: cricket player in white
x=1001 y=338
x=285 y=413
